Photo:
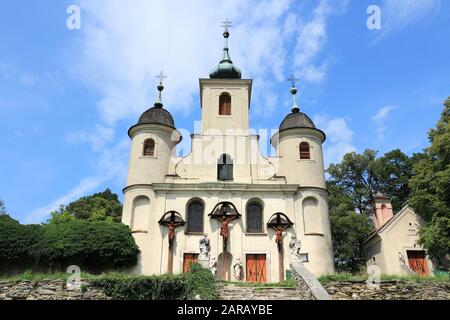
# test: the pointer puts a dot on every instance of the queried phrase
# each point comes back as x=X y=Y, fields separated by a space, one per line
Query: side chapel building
x=250 y=206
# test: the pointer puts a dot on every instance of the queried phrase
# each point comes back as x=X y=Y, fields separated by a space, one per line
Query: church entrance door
x=417 y=262
x=256 y=268
x=188 y=259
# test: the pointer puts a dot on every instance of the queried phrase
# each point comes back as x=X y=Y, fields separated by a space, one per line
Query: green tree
x=61 y=215
x=362 y=176
x=103 y=206
x=430 y=188
x=394 y=170
x=349 y=229
x=2 y=208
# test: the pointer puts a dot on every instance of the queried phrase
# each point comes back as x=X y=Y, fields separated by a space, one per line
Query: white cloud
x=312 y=39
x=86 y=185
x=396 y=15
x=124 y=46
x=339 y=138
x=98 y=138
x=111 y=166
x=380 y=120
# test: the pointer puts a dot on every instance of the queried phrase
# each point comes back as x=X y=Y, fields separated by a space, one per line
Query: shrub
x=201 y=282
x=198 y=281
x=18 y=243
x=94 y=246
x=167 y=287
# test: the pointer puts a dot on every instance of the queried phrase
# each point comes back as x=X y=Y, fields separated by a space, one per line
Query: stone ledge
x=48 y=290
x=307 y=279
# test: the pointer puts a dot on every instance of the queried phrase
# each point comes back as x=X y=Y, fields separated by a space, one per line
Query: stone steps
x=235 y=292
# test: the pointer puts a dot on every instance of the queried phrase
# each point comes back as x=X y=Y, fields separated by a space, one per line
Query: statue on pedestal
x=203 y=257
x=237 y=268
x=294 y=248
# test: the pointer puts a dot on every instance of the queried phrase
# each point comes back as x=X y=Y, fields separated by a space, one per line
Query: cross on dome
x=161 y=76
x=295 y=106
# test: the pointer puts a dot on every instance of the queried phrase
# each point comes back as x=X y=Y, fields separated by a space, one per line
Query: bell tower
x=225 y=96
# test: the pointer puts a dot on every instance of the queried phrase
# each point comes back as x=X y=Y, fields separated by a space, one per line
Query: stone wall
x=389 y=290
x=48 y=290
x=342 y=290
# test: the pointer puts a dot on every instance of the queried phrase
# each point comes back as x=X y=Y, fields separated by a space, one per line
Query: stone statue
x=204 y=248
x=237 y=268
x=294 y=248
x=213 y=266
x=403 y=263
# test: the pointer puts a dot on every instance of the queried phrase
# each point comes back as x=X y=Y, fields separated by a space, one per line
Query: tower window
x=304 y=151
x=149 y=148
x=225 y=104
x=225 y=168
x=195 y=217
x=254 y=218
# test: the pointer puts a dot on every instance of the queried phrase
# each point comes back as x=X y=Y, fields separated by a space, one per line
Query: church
x=225 y=200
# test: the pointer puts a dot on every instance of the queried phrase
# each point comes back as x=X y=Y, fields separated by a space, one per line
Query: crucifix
x=280 y=222
x=171 y=220
x=224 y=213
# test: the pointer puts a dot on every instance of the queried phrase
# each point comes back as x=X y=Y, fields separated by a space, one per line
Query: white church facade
x=250 y=206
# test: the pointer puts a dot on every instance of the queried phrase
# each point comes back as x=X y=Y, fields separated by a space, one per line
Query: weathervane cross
x=161 y=76
x=227 y=24
x=293 y=79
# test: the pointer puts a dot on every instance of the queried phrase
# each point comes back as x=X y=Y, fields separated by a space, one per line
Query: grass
x=284 y=284
x=38 y=276
x=338 y=277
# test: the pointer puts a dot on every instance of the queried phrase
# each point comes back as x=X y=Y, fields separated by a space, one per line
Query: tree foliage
x=353 y=183
x=430 y=188
x=349 y=229
x=103 y=206
x=2 y=208
x=94 y=246
x=362 y=176
x=18 y=243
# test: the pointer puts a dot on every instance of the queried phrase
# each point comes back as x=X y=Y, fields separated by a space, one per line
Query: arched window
x=304 y=151
x=195 y=217
x=149 y=148
x=254 y=218
x=225 y=104
x=225 y=168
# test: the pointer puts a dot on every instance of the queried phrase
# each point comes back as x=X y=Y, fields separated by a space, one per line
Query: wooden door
x=188 y=259
x=256 y=268
x=417 y=262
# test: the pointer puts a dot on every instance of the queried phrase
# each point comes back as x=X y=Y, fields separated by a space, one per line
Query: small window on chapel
x=304 y=151
x=225 y=104
x=149 y=148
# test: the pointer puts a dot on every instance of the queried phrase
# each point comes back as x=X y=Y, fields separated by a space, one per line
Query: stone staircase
x=236 y=292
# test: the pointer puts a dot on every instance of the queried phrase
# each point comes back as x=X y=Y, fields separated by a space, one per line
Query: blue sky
x=67 y=97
